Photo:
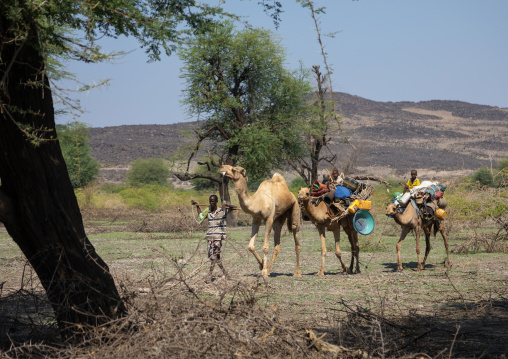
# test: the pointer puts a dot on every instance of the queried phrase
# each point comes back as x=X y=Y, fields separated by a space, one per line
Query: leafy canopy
x=156 y=25
x=83 y=169
x=238 y=83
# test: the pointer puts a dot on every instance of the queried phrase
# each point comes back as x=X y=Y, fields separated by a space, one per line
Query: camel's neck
x=407 y=217
x=243 y=195
x=315 y=214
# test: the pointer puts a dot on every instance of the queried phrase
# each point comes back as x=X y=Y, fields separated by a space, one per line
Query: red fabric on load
x=319 y=193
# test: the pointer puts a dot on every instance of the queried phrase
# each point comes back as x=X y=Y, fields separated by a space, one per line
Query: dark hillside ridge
x=436 y=135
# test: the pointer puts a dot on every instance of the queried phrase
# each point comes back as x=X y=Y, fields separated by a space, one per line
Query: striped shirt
x=217 y=225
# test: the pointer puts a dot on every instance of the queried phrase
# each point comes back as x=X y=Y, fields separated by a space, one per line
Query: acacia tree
x=37 y=202
x=237 y=81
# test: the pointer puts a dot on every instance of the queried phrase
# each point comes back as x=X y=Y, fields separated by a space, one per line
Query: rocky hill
x=436 y=137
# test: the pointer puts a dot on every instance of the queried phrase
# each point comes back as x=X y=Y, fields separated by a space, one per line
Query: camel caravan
x=339 y=203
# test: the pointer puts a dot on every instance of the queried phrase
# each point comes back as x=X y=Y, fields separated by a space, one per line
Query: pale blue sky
x=386 y=50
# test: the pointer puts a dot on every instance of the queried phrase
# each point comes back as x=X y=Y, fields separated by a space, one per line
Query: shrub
x=483 y=176
x=503 y=164
x=83 y=169
x=148 y=171
x=501 y=178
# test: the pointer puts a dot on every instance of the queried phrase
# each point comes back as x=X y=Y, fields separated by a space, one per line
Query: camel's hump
x=277 y=177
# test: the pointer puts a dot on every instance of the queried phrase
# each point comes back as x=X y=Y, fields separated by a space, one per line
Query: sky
x=383 y=50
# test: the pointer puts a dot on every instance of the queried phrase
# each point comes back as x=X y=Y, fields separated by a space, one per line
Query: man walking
x=216 y=232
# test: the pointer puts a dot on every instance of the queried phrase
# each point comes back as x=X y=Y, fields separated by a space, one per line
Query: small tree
x=237 y=81
x=148 y=171
x=484 y=177
x=74 y=142
x=321 y=121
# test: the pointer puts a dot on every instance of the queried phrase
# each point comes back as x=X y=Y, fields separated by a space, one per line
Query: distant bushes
x=487 y=177
x=152 y=171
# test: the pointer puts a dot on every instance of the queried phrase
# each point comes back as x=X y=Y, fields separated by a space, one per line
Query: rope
x=194 y=215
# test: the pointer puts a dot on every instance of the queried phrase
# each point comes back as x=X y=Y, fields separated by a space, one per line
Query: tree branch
x=202 y=136
x=190 y=176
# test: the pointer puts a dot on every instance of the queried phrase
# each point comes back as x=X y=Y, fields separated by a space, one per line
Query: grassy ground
x=465 y=305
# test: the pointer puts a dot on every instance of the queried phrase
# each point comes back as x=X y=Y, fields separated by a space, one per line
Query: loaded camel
x=409 y=220
x=272 y=203
x=318 y=216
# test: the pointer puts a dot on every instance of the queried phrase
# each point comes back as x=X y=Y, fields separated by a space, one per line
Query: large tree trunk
x=37 y=202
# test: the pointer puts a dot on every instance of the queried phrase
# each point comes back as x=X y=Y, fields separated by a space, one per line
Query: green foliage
x=154 y=24
x=484 y=177
x=468 y=203
x=148 y=171
x=503 y=164
x=83 y=169
x=237 y=82
x=145 y=197
x=296 y=183
x=501 y=178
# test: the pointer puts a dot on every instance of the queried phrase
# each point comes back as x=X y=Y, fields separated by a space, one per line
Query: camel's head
x=391 y=209
x=303 y=193
x=235 y=173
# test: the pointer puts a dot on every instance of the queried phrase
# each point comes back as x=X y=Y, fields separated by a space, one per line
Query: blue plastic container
x=363 y=222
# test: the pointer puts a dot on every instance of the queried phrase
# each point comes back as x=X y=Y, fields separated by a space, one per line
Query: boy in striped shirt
x=216 y=232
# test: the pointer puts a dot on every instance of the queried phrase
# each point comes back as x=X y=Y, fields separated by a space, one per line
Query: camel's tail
x=294 y=217
x=436 y=227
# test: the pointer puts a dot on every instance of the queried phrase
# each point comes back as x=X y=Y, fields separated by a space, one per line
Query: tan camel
x=410 y=220
x=272 y=203
x=318 y=216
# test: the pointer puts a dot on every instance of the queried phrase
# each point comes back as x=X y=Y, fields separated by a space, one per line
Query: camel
x=410 y=220
x=318 y=216
x=272 y=203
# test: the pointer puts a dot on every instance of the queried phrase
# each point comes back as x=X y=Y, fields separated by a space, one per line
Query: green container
x=363 y=222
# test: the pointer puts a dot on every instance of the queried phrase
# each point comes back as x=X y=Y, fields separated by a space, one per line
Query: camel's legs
x=352 y=236
x=252 y=249
x=336 y=236
x=355 y=251
x=322 y=236
x=277 y=227
x=296 y=236
x=442 y=230
x=295 y=228
x=427 y=233
x=418 y=232
x=266 y=246
x=403 y=235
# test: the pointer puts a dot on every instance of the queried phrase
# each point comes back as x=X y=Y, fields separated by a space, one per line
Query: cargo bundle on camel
x=346 y=195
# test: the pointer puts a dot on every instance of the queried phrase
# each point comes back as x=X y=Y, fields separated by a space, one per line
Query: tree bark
x=37 y=202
